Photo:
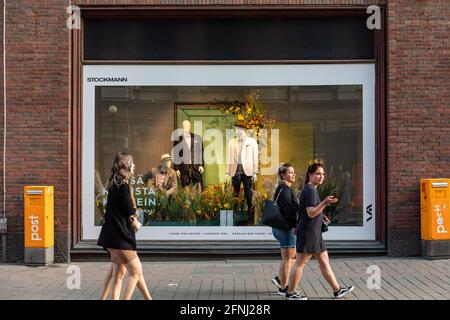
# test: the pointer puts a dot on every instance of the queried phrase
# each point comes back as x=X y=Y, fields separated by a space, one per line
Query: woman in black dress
x=309 y=235
x=117 y=235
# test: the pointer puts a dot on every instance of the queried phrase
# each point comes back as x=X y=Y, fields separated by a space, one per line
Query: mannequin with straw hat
x=163 y=177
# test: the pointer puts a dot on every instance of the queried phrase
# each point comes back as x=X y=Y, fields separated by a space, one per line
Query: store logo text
x=109 y=79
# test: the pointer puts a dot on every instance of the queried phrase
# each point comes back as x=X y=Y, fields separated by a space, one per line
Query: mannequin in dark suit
x=189 y=165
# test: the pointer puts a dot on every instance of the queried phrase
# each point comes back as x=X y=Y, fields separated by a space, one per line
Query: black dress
x=117 y=232
x=309 y=231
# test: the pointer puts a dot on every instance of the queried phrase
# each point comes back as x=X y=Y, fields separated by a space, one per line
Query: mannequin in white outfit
x=242 y=165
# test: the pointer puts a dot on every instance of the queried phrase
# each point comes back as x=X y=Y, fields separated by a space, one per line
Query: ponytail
x=282 y=169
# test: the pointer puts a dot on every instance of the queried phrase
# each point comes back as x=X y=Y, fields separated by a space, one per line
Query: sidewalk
x=401 y=278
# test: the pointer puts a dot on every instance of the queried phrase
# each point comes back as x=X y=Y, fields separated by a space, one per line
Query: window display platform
x=167 y=250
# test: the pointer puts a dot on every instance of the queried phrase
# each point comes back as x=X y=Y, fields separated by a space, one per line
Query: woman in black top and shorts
x=309 y=235
x=287 y=202
x=117 y=235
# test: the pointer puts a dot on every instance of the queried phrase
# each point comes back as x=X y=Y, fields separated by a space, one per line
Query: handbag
x=272 y=216
x=324 y=227
x=135 y=224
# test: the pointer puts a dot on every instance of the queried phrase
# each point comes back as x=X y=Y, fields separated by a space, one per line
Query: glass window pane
x=312 y=122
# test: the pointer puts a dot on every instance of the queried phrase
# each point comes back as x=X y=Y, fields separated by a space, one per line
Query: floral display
x=192 y=207
x=251 y=111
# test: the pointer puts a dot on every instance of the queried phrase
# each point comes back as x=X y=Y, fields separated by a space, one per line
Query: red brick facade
x=418 y=118
x=38 y=122
x=39 y=107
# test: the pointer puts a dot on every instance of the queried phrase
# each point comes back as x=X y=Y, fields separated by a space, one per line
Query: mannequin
x=242 y=165
x=163 y=177
x=191 y=169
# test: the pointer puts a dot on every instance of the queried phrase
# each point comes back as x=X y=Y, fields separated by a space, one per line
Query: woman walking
x=115 y=278
x=309 y=235
x=287 y=203
x=117 y=235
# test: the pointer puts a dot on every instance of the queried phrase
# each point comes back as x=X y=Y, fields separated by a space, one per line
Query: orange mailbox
x=435 y=217
x=39 y=225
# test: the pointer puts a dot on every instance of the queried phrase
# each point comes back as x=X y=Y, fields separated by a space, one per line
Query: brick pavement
x=401 y=278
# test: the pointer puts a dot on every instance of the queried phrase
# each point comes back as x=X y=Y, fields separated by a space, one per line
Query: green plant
x=100 y=201
x=240 y=203
x=191 y=204
x=258 y=205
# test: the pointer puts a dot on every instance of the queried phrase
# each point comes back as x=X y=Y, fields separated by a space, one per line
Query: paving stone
x=401 y=279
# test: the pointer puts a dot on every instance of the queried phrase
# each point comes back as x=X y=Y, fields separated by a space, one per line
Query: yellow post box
x=39 y=225
x=435 y=217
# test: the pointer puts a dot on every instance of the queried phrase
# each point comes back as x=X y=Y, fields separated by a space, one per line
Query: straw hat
x=166 y=156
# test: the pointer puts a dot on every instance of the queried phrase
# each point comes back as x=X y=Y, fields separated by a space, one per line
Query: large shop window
x=314 y=112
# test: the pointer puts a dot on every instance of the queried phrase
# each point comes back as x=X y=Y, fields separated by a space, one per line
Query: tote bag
x=272 y=216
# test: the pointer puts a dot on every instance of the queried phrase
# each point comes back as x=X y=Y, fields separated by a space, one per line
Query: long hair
x=311 y=169
x=121 y=170
x=282 y=169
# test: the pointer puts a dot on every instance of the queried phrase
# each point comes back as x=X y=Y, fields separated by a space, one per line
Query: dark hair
x=121 y=170
x=282 y=169
x=311 y=169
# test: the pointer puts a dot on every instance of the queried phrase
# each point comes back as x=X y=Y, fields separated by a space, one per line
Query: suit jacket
x=194 y=157
x=170 y=184
x=249 y=156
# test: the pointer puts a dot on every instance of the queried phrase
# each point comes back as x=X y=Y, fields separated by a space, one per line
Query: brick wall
x=38 y=107
x=418 y=112
x=38 y=114
x=1 y=120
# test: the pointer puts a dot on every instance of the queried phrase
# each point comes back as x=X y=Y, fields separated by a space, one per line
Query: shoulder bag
x=272 y=216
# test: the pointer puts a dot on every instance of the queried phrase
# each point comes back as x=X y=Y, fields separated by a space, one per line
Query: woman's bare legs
x=325 y=268
x=107 y=285
x=287 y=260
x=142 y=286
x=297 y=270
x=118 y=274
x=134 y=268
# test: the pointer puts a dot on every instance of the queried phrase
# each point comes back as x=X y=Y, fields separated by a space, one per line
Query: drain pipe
x=3 y=220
